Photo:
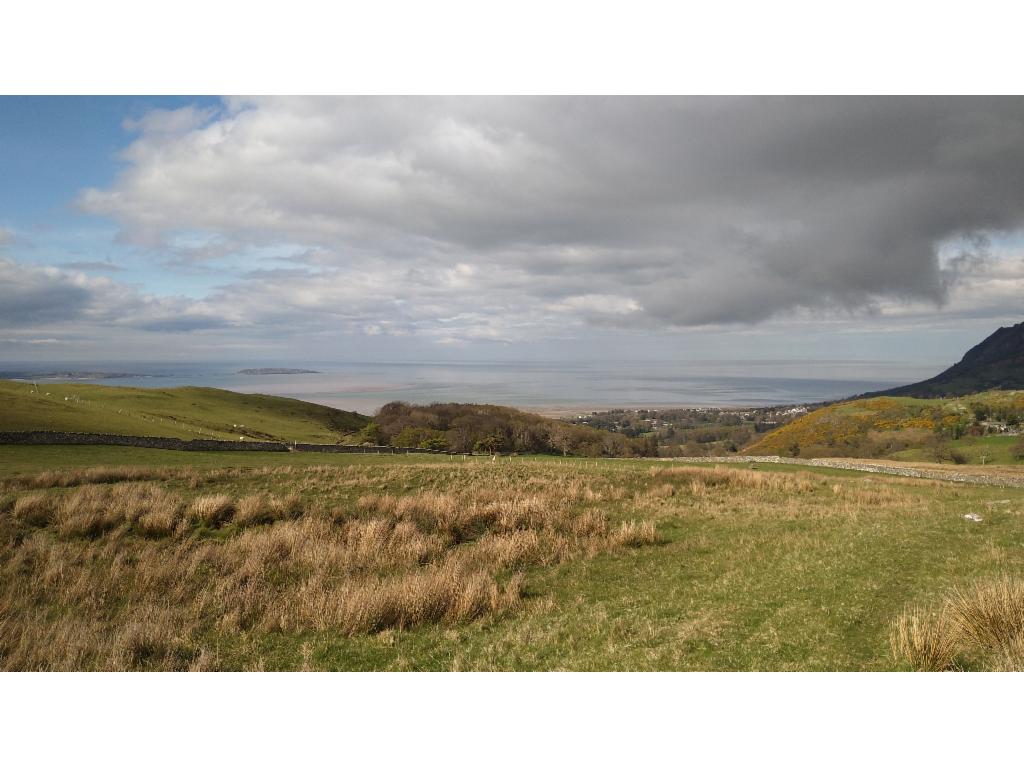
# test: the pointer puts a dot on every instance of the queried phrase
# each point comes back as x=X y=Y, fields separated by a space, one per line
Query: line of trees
x=494 y=429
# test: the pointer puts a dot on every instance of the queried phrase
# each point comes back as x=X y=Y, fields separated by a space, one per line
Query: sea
x=551 y=388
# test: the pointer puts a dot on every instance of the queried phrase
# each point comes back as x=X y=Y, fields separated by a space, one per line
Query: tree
x=562 y=439
x=1017 y=451
x=369 y=434
x=489 y=444
x=435 y=443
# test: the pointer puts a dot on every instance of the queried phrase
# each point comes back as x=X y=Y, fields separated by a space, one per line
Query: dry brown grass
x=635 y=534
x=443 y=593
x=261 y=509
x=92 y=510
x=928 y=643
x=718 y=492
x=701 y=478
x=68 y=478
x=34 y=509
x=121 y=574
x=983 y=621
x=211 y=510
x=990 y=613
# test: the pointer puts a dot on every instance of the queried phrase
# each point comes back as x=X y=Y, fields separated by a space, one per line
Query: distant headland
x=273 y=371
x=69 y=375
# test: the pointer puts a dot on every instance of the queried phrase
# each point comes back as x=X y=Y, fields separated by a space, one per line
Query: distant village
x=698 y=431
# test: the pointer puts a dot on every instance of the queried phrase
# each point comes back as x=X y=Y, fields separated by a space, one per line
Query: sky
x=554 y=228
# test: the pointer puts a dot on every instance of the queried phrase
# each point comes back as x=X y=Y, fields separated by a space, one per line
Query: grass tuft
x=211 y=510
x=990 y=613
x=925 y=642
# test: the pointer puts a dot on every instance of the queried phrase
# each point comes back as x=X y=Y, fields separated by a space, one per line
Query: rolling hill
x=184 y=412
x=902 y=427
x=995 y=363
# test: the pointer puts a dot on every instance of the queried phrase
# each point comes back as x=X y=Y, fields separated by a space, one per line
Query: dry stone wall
x=136 y=441
x=176 y=444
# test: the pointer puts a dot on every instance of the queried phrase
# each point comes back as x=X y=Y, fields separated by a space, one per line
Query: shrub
x=1017 y=450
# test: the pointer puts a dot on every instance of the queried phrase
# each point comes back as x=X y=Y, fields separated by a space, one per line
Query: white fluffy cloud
x=50 y=297
x=479 y=218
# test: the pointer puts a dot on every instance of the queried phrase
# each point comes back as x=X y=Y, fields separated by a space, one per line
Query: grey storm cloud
x=637 y=212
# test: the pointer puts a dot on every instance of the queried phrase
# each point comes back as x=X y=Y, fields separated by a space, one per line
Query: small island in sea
x=269 y=371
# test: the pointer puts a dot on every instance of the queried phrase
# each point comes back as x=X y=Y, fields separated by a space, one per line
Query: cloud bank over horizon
x=482 y=221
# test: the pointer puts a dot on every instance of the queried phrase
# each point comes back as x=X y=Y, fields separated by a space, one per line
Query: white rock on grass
x=973 y=517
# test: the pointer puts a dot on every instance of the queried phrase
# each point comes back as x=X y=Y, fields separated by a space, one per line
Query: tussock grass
x=699 y=479
x=990 y=613
x=227 y=567
x=635 y=534
x=211 y=510
x=926 y=642
x=983 y=621
x=260 y=509
x=69 y=478
x=34 y=509
x=435 y=594
x=123 y=574
x=92 y=510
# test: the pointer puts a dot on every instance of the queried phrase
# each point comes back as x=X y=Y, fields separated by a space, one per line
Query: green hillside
x=996 y=363
x=965 y=430
x=184 y=412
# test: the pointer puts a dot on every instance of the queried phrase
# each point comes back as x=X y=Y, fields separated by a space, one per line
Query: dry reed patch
x=34 y=509
x=160 y=522
x=260 y=509
x=927 y=642
x=382 y=545
x=989 y=613
x=515 y=550
x=68 y=478
x=253 y=510
x=91 y=510
x=881 y=494
x=984 y=621
x=700 y=480
x=211 y=510
x=635 y=533
x=151 y=638
x=435 y=594
x=376 y=503
x=660 y=491
x=460 y=519
x=124 y=601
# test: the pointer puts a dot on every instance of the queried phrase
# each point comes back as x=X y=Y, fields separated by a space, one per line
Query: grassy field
x=984 y=450
x=242 y=561
x=184 y=412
